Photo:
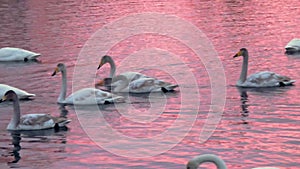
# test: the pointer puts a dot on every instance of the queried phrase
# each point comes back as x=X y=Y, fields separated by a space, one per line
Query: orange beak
x=100 y=83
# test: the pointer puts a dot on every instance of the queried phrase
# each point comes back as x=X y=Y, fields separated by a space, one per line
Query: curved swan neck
x=195 y=162
x=16 y=116
x=63 y=91
x=112 y=66
x=243 y=75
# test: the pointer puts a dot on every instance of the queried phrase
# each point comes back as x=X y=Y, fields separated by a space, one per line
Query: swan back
x=22 y=94
x=17 y=54
x=293 y=46
x=91 y=96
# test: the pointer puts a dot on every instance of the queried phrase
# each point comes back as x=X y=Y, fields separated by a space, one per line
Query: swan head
x=104 y=59
x=59 y=68
x=241 y=52
x=9 y=95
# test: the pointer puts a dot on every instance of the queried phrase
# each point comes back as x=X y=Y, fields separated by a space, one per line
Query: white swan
x=17 y=54
x=120 y=83
x=21 y=93
x=196 y=161
x=150 y=82
x=31 y=121
x=261 y=79
x=293 y=46
x=85 y=96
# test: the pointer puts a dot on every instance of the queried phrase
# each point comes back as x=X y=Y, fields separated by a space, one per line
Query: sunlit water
x=257 y=128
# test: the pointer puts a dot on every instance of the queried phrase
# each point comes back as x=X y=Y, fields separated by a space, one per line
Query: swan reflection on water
x=244 y=105
x=267 y=92
x=34 y=134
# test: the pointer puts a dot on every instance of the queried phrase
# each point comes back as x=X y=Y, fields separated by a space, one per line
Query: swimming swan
x=85 y=96
x=142 y=85
x=17 y=54
x=220 y=164
x=293 y=46
x=21 y=93
x=133 y=76
x=261 y=79
x=31 y=121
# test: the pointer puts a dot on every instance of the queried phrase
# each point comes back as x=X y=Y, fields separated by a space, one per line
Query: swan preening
x=21 y=93
x=133 y=82
x=293 y=46
x=17 y=54
x=85 y=96
x=220 y=164
x=261 y=79
x=31 y=121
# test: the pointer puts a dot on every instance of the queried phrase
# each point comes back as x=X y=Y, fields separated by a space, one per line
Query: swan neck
x=63 y=91
x=112 y=67
x=197 y=161
x=243 y=75
x=16 y=116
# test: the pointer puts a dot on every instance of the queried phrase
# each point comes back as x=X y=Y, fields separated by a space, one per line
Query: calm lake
x=191 y=43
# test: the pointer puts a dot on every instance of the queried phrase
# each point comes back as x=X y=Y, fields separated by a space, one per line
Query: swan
x=17 y=54
x=260 y=79
x=21 y=93
x=85 y=96
x=133 y=76
x=120 y=83
x=31 y=121
x=293 y=46
x=196 y=161
x=220 y=164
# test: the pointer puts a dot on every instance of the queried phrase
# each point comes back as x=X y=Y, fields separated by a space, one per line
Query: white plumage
x=85 y=96
x=133 y=82
x=31 y=121
x=17 y=54
x=142 y=85
x=260 y=79
x=22 y=94
x=293 y=46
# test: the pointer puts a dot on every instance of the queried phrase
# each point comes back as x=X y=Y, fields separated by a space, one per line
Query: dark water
x=257 y=127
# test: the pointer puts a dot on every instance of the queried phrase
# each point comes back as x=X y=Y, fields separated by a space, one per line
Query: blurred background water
x=259 y=127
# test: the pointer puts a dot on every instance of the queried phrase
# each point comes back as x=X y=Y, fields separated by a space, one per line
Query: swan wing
x=92 y=96
x=16 y=54
x=21 y=93
x=267 y=79
x=34 y=122
x=145 y=85
x=131 y=76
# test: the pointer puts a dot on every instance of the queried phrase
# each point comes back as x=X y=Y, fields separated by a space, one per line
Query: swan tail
x=27 y=96
x=168 y=88
x=36 y=55
x=61 y=122
x=118 y=99
x=287 y=83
